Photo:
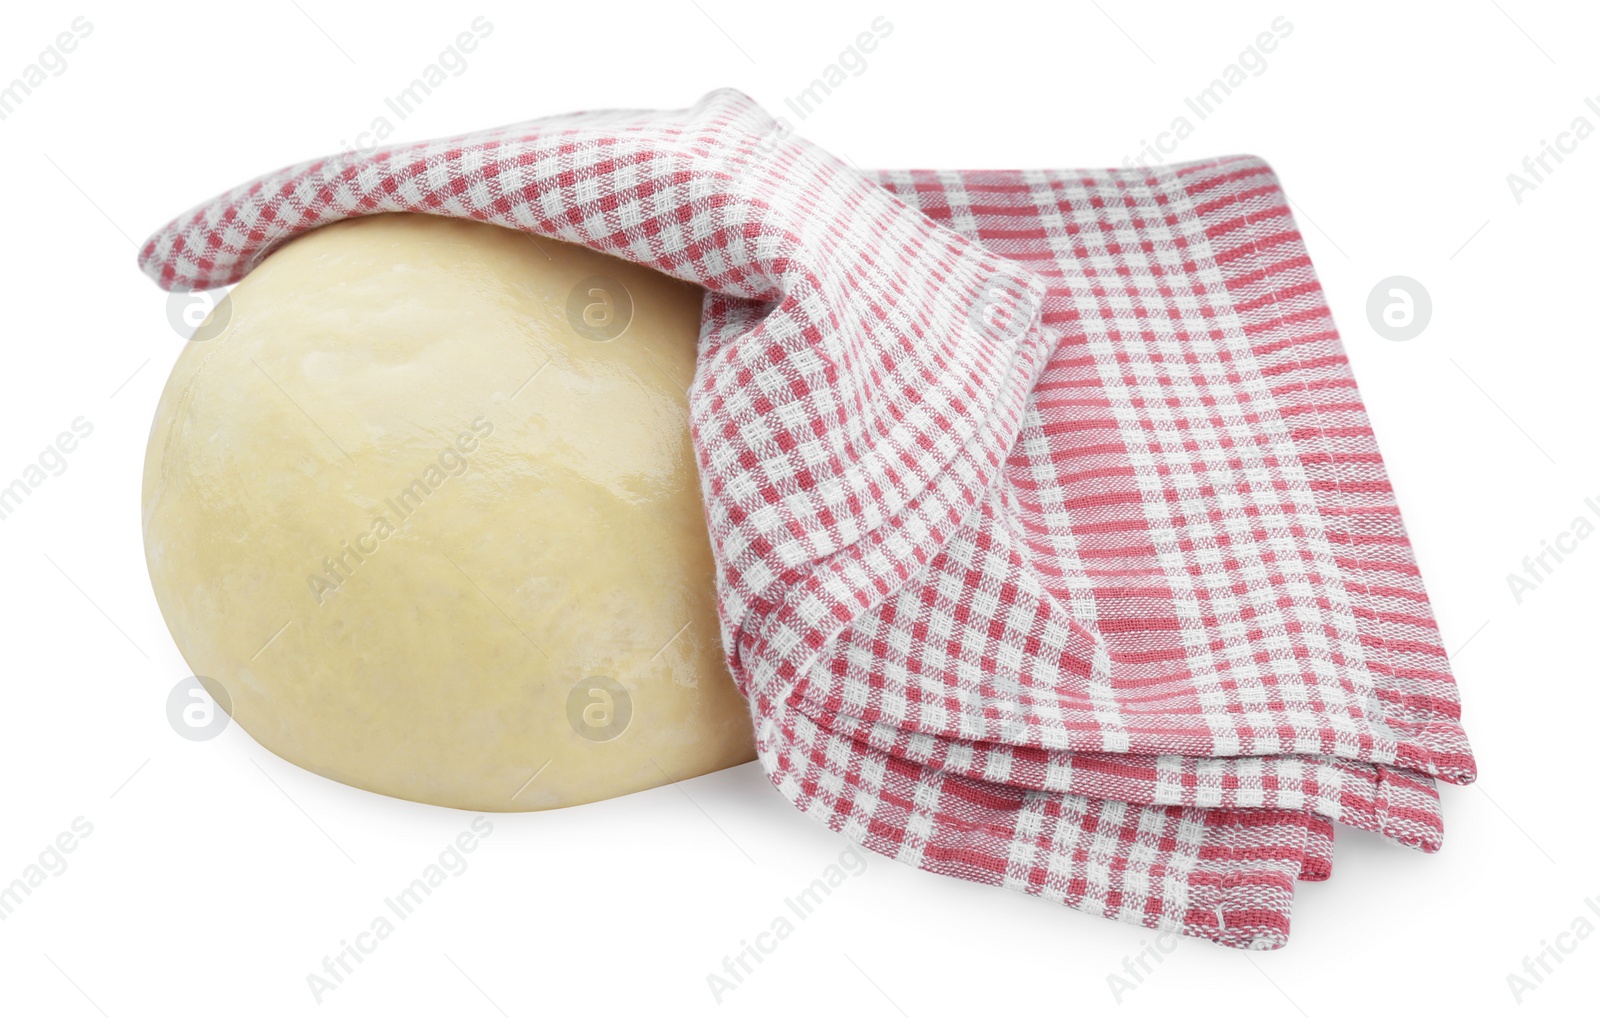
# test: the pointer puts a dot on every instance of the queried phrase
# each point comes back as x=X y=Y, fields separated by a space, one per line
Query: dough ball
x=425 y=506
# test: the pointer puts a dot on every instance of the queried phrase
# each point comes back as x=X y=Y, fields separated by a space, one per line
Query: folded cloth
x=1054 y=548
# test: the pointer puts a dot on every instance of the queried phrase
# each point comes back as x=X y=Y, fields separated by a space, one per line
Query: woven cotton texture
x=1054 y=547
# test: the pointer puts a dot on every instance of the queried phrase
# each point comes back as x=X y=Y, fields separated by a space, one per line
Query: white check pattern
x=1054 y=547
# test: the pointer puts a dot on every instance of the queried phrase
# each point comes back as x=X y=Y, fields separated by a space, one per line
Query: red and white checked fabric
x=1054 y=547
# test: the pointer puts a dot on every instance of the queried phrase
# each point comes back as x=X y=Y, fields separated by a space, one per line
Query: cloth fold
x=1054 y=547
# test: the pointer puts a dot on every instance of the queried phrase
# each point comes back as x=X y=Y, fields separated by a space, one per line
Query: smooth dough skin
x=434 y=525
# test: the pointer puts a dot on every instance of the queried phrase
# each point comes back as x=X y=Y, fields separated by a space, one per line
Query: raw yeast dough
x=424 y=506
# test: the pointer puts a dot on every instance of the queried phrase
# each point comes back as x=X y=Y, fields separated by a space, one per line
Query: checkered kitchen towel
x=1054 y=548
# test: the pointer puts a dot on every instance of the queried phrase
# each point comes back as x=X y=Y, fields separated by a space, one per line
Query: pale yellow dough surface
x=421 y=528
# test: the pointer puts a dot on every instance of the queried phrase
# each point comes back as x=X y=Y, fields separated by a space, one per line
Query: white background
x=218 y=876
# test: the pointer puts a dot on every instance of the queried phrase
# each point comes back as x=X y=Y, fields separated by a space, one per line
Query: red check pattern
x=1054 y=547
